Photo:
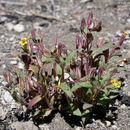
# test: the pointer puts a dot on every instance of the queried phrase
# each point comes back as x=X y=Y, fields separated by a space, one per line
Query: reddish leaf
x=34 y=101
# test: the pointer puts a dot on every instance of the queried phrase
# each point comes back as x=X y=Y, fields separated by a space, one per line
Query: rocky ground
x=18 y=17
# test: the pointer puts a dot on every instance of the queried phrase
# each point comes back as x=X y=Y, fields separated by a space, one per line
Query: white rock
x=7 y=97
x=20 y=65
x=123 y=106
x=13 y=62
x=2 y=113
x=114 y=127
x=108 y=123
x=18 y=28
x=44 y=127
x=9 y=26
x=78 y=128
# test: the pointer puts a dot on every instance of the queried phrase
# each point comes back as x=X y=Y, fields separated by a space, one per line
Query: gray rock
x=23 y=126
x=19 y=28
x=128 y=57
x=7 y=97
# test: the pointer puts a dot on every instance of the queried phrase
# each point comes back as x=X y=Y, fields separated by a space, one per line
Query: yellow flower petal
x=18 y=85
x=125 y=33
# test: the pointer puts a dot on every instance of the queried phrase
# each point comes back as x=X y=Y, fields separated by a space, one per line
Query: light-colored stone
x=108 y=123
x=128 y=94
x=19 y=28
x=78 y=128
x=44 y=127
x=123 y=106
x=9 y=26
x=114 y=127
x=23 y=126
x=2 y=113
x=14 y=62
x=20 y=65
x=7 y=97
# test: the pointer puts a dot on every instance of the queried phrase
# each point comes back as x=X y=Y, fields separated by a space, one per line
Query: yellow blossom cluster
x=23 y=41
x=116 y=83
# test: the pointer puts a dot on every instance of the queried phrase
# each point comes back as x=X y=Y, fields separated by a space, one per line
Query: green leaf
x=34 y=101
x=114 y=57
x=47 y=113
x=77 y=112
x=103 y=64
x=113 y=96
x=58 y=69
x=19 y=73
x=87 y=106
x=37 y=112
x=120 y=69
x=66 y=89
x=89 y=92
x=81 y=85
x=85 y=30
x=101 y=49
x=43 y=58
x=34 y=69
x=70 y=57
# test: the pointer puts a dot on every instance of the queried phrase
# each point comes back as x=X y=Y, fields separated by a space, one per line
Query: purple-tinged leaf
x=98 y=27
x=92 y=72
x=8 y=77
x=89 y=20
x=121 y=40
x=39 y=32
x=30 y=47
x=83 y=25
x=100 y=72
x=55 y=42
x=33 y=34
x=79 y=44
x=106 y=54
x=34 y=101
x=114 y=71
x=39 y=61
x=99 y=42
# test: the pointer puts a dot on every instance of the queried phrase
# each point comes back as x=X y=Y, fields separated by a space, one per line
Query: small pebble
x=20 y=66
x=123 y=106
x=114 y=127
x=9 y=26
x=13 y=62
x=7 y=97
x=19 y=28
x=108 y=123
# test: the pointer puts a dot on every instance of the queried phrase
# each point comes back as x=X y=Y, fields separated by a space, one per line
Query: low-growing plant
x=66 y=80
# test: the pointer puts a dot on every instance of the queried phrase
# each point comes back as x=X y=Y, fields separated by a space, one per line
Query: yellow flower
x=58 y=86
x=18 y=85
x=23 y=41
x=113 y=81
x=125 y=33
x=116 y=83
x=29 y=37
